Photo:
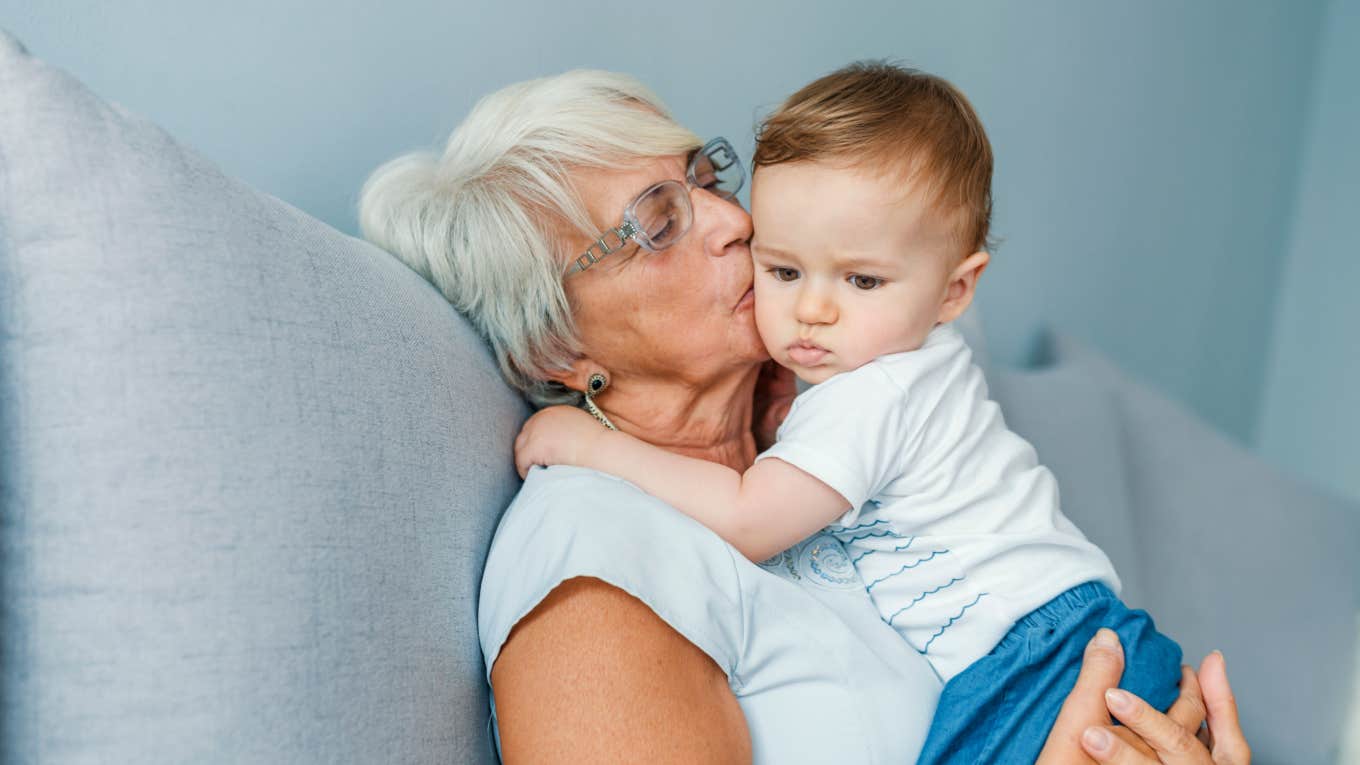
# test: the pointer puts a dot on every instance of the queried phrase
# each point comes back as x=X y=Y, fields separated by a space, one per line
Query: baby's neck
x=712 y=423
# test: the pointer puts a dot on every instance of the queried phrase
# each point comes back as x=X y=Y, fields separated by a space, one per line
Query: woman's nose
x=731 y=224
x=814 y=306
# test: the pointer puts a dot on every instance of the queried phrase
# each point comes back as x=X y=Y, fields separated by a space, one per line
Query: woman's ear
x=962 y=285
x=578 y=375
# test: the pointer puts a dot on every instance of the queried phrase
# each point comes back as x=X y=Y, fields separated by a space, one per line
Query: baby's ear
x=958 y=293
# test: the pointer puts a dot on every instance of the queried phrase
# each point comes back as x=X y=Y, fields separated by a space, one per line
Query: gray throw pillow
x=249 y=466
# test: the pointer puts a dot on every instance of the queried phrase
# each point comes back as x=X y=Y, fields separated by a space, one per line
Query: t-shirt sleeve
x=569 y=522
x=851 y=432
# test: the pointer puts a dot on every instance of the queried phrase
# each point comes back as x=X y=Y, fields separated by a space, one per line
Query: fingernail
x=1096 y=739
x=1106 y=637
x=1119 y=701
x=1220 y=657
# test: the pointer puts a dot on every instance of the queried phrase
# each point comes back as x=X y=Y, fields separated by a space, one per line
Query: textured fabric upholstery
x=250 y=466
x=1236 y=556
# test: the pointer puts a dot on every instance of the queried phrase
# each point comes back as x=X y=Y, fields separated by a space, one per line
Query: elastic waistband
x=1074 y=599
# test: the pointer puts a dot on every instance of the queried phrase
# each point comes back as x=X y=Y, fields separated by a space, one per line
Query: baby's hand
x=557 y=435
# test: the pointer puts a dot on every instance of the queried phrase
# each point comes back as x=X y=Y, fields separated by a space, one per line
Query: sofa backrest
x=249 y=466
x=1223 y=550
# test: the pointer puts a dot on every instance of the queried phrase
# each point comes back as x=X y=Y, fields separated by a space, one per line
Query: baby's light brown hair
x=893 y=121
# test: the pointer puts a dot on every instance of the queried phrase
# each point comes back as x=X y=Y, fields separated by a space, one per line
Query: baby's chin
x=813 y=375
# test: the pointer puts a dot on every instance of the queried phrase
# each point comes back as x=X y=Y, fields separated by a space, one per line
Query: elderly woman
x=599 y=248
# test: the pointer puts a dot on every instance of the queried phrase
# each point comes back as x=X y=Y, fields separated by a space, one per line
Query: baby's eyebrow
x=768 y=250
x=859 y=261
x=840 y=261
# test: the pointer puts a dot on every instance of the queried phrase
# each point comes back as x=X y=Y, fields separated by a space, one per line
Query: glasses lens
x=663 y=215
x=717 y=169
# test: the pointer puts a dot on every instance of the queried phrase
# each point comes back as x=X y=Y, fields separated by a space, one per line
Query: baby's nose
x=815 y=307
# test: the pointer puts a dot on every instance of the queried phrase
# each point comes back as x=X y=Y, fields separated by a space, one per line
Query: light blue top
x=818 y=675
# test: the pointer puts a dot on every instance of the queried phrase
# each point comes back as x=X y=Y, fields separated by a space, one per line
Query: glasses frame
x=614 y=239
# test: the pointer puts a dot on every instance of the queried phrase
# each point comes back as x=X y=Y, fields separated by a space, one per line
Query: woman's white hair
x=486 y=220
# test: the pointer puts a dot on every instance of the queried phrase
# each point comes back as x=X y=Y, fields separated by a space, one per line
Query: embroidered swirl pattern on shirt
x=782 y=564
x=823 y=560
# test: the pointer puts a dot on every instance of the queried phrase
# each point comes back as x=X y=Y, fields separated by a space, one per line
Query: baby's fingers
x=523 y=459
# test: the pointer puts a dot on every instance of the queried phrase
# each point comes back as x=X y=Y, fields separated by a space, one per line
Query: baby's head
x=871 y=195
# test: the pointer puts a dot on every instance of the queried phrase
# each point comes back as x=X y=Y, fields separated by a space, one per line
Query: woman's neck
x=712 y=422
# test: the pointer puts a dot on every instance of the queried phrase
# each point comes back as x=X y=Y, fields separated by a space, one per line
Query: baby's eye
x=866 y=282
x=784 y=274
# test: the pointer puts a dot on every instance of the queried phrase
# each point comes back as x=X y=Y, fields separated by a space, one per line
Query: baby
x=871 y=200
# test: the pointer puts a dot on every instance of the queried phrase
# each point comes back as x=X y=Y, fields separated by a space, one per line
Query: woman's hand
x=776 y=387
x=556 y=435
x=1170 y=742
x=1083 y=730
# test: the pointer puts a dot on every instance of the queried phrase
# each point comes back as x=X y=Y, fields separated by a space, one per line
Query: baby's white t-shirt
x=954 y=526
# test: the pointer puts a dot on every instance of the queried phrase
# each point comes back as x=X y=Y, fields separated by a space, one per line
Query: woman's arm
x=594 y=675
x=760 y=512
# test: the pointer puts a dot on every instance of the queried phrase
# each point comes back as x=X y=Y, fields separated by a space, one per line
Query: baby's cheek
x=768 y=320
x=768 y=301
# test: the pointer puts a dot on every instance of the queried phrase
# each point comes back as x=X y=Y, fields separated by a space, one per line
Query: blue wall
x=1311 y=416
x=1147 y=151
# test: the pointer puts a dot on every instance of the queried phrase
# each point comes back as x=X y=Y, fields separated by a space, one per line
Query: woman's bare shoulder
x=593 y=674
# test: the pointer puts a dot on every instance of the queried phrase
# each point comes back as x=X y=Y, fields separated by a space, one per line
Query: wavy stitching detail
x=923 y=595
x=858 y=537
x=899 y=548
x=904 y=568
x=844 y=529
x=950 y=623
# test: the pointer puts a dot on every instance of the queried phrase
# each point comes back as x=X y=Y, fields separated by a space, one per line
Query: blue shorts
x=1001 y=708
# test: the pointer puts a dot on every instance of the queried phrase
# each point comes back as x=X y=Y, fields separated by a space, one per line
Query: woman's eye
x=866 y=282
x=660 y=236
x=784 y=274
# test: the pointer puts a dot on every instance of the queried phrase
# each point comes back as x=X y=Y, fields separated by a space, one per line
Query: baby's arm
x=760 y=512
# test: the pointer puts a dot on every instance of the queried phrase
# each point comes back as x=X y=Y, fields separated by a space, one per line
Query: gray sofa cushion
x=249 y=469
x=1237 y=556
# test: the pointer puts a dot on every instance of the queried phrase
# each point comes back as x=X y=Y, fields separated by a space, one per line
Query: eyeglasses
x=663 y=213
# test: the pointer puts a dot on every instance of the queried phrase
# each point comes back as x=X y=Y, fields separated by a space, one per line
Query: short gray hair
x=484 y=220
